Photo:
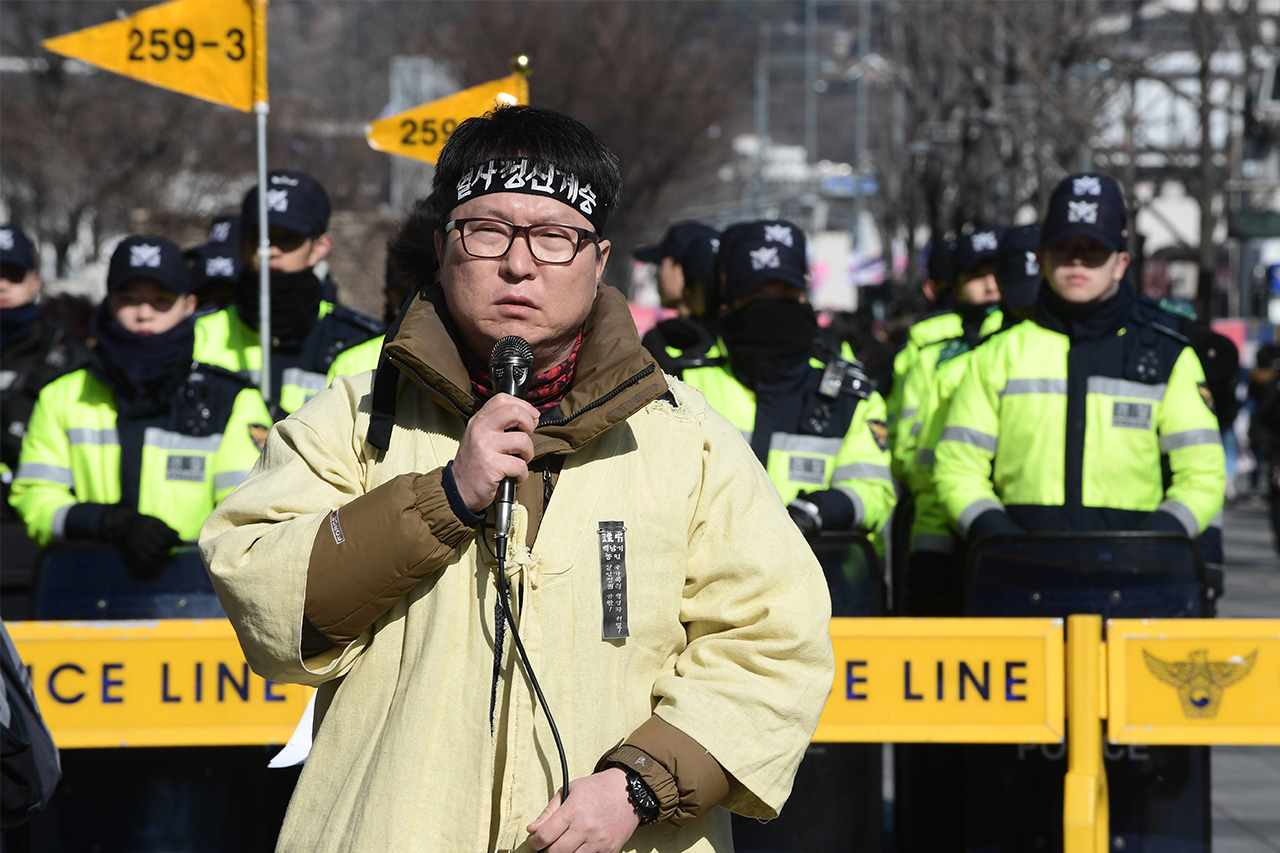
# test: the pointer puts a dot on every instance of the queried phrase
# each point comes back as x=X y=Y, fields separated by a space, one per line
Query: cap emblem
x=278 y=201
x=1082 y=211
x=1033 y=266
x=779 y=234
x=222 y=267
x=144 y=255
x=285 y=180
x=766 y=257
x=220 y=232
x=6 y=238
x=1087 y=185
x=984 y=241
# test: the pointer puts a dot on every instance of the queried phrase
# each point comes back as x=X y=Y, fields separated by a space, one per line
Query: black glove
x=806 y=515
x=143 y=540
x=993 y=522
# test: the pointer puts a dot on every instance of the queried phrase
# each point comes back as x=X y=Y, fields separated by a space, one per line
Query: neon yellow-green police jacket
x=1098 y=433
x=849 y=453
x=916 y=385
x=225 y=340
x=899 y=413
x=71 y=453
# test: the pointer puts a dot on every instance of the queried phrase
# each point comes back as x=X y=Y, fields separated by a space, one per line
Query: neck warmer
x=767 y=337
x=545 y=390
x=1084 y=321
x=143 y=367
x=16 y=322
x=295 y=303
x=972 y=317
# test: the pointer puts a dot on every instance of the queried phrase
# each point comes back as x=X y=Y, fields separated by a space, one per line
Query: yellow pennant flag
x=210 y=49
x=421 y=132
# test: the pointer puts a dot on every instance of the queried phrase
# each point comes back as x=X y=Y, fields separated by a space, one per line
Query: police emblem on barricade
x=1199 y=681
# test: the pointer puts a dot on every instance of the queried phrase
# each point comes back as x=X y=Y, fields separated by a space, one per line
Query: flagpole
x=261 y=108
x=264 y=256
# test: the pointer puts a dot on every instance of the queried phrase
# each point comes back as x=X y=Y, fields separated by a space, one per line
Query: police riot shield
x=91 y=582
x=1159 y=796
x=837 y=800
x=131 y=799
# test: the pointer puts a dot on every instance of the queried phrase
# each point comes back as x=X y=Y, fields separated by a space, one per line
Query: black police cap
x=295 y=201
x=16 y=248
x=1088 y=204
x=752 y=253
x=148 y=256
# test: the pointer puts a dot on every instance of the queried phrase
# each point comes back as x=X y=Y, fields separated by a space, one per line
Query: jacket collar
x=615 y=376
x=1088 y=321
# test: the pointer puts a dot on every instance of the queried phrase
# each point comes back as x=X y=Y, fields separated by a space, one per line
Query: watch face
x=642 y=799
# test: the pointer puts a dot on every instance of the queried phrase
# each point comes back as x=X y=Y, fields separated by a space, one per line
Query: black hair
x=524 y=131
x=411 y=253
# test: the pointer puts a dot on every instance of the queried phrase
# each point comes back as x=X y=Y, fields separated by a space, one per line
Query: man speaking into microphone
x=671 y=622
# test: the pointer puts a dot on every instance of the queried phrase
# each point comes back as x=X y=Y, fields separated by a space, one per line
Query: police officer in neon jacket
x=1091 y=416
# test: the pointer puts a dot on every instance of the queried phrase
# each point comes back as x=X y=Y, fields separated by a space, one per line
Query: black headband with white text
x=533 y=177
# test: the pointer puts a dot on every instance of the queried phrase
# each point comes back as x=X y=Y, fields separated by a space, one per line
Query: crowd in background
x=140 y=368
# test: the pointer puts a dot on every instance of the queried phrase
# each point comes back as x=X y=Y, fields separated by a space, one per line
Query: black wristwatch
x=642 y=799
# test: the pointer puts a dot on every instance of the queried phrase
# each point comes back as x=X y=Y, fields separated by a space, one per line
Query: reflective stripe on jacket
x=1083 y=449
x=223 y=339
x=851 y=461
x=931 y=528
x=71 y=454
x=915 y=392
x=939 y=327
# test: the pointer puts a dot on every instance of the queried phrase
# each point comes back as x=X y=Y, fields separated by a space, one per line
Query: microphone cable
x=510 y=365
x=504 y=595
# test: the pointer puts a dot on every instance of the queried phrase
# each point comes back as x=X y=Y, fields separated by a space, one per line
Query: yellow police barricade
x=1152 y=681
x=202 y=724
x=170 y=682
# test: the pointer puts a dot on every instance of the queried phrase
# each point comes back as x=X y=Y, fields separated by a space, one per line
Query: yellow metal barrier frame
x=1166 y=681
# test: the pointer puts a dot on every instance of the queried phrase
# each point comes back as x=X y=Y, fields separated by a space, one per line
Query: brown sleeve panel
x=687 y=781
x=369 y=553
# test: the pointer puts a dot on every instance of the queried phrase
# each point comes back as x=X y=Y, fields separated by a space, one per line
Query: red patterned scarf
x=545 y=390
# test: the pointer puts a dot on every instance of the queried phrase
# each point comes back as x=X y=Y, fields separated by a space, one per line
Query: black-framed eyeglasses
x=549 y=244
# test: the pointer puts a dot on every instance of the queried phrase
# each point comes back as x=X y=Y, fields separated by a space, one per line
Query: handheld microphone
x=510 y=367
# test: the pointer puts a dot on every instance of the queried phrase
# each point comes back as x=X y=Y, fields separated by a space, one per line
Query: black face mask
x=295 y=302
x=14 y=322
x=766 y=336
x=143 y=367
